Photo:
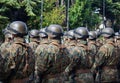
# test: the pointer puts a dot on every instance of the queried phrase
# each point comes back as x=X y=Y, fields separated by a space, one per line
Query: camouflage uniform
x=8 y=40
x=34 y=39
x=20 y=62
x=51 y=59
x=82 y=72
x=50 y=62
x=33 y=44
x=106 y=63
x=117 y=44
x=92 y=49
x=74 y=56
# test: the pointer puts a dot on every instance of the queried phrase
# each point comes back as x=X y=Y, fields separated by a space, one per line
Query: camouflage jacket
x=33 y=44
x=104 y=58
x=85 y=62
x=105 y=55
x=50 y=59
x=18 y=60
x=92 y=50
x=73 y=54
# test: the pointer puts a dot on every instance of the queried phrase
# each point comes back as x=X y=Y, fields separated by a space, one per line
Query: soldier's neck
x=44 y=41
x=55 y=41
x=82 y=41
x=109 y=40
x=71 y=42
x=19 y=39
x=34 y=40
x=90 y=41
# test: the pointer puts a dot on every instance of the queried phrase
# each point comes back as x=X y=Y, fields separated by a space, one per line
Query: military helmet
x=54 y=30
x=34 y=33
x=98 y=33
x=70 y=34
x=107 y=32
x=42 y=33
x=81 y=32
x=18 y=28
x=117 y=35
x=7 y=33
x=92 y=35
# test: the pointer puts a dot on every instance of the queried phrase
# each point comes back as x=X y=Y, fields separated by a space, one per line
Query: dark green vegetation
x=81 y=12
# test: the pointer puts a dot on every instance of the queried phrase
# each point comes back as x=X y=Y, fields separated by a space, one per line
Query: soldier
x=82 y=71
x=99 y=40
x=50 y=61
x=34 y=39
x=43 y=37
x=92 y=47
x=117 y=44
x=65 y=38
x=73 y=54
x=106 y=60
x=117 y=39
x=8 y=39
x=18 y=59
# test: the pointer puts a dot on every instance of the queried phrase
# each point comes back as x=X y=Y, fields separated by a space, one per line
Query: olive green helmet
x=70 y=34
x=81 y=32
x=92 y=35
x=42 y=33
x=34 y=33
x=107 y=32
x=7 y=33
x=18 y=28
x=54 y=30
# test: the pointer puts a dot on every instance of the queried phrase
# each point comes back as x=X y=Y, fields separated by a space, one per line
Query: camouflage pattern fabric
x=50 y=62
x=99 y=42
x=3 y=50
x=74 y=57
x=84 y=76
x=18 y=60
x=33 y=44
x=106 y=62
x=117 y=44
x=92 y=50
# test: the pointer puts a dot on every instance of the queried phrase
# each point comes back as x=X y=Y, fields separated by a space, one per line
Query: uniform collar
x=109 y=40
x=91 y=41
x=81 y=41
x=44 y=41
x=34 y=40
x=72 y=43
x=19 y=40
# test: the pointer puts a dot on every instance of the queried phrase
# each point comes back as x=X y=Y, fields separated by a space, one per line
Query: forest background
x=68 y=13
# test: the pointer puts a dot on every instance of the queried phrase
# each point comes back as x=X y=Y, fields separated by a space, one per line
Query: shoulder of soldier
x=104 y=48
x=15 y=46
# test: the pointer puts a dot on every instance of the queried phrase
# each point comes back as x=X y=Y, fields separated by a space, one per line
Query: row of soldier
x=77 y=56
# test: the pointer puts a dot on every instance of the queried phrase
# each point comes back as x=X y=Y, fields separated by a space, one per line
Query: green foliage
x=112 y=10
x=81 y=14
x=52 y=13
x=76 y=14
x=55 y=16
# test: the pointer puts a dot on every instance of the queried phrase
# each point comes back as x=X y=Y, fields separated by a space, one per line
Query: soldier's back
x=33 y=45
x=106 y=63
x=50 y=62
x=19 y=62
